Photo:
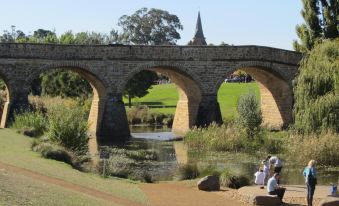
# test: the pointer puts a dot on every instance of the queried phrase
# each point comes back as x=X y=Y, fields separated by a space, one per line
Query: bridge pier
x=209 y=111
x=114 y=125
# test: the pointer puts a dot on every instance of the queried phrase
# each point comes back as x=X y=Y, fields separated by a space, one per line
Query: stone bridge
x=198 y=72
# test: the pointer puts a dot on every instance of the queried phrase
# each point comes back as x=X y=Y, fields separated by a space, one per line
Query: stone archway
x=5 y=107
x=189 y=96
x=276 y=97
x=98 y=89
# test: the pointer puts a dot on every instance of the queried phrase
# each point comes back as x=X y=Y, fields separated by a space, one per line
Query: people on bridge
x=310 y=175
x=273 y=187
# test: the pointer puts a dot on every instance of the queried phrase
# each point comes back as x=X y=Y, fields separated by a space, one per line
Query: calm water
x=173 y=153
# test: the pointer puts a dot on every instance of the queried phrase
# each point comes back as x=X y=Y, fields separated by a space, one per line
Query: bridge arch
x=5 y=107
x=276 y=96
x=189 y=90
x=97 y=84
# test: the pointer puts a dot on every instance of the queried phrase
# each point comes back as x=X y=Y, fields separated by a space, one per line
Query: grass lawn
x=167 y=95
x=15 y=150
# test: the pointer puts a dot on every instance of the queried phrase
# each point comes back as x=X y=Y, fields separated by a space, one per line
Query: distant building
x=198 y=38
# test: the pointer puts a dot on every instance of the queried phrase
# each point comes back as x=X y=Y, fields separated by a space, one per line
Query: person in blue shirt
x=310 y=174
x=273 y=188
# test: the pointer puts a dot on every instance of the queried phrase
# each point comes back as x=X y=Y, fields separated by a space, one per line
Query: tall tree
x=316 y=92
x=148 y=27
x=321 y=22
x=153 y=27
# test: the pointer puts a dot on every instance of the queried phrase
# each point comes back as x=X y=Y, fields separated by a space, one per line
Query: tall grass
x=322 y=147
x=30 y=123
x=68 y=128
x=141 y=114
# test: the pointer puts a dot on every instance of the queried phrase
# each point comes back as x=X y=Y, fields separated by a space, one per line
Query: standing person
x=266 y=170
x=310 y=175
x=276 y=162
x=274 y=189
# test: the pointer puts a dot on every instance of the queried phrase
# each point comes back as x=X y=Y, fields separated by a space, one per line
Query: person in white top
x=276 y=162
x=259 y=178
x=266 y=170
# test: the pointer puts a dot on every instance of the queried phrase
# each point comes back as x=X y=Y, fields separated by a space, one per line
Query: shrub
x=30 y=123
x=219 y=138
x=120 y=165
x=250 y=117
x=321 y=147
x=187 y=171
x=68 y=128
x=228 y=179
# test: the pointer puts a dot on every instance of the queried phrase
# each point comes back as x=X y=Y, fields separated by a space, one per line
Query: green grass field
x=21 y=190
x=167 y=95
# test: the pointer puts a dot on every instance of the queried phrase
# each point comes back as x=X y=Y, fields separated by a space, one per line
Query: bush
x=227 y=137
x=230 y=180
x=321 y=147
x=120 y=165
x=68 y=128
x=30 y=123
x=187 y=171
x=250 y=117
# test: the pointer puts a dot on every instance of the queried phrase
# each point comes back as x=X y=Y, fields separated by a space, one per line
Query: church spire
x=199 y=38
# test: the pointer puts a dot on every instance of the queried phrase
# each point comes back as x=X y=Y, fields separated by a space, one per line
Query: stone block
x=329 y=201
x=265 y=200
x=209 y=183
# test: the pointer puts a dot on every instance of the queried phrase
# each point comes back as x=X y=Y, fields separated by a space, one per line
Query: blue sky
x=239 y=22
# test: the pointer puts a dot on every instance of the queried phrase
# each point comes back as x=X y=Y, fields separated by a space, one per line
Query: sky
x=237 y=22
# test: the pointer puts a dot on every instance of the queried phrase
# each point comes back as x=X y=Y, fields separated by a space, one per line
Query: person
x=274 y=189
x=260 y=178
x=276 y=162
x=310 y=175
x=266 y=171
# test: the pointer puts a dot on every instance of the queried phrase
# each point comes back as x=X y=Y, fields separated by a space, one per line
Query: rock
x=329 y=201
x=266 y=200
x=209 y=183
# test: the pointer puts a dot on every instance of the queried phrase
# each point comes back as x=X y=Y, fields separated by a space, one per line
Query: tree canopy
x=317 y=89
x=321 y=22
x=152 y=27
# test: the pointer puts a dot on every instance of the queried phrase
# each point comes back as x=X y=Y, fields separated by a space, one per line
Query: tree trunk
x=129 y=101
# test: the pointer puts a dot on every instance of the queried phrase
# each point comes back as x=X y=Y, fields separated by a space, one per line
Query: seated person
x=259 y=178
x=273 y=188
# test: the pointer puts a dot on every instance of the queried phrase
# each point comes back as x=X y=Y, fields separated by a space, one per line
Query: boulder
x=209 y=183
x=266 y=200
x=329 y=201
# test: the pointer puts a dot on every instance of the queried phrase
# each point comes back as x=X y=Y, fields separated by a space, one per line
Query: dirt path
x=183 y=194
x=161 y=194
x=68 y=185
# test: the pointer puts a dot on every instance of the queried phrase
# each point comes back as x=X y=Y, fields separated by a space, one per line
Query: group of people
x=269 y=174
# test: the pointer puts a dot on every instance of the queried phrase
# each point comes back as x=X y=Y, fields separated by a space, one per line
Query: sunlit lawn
x=167 y=95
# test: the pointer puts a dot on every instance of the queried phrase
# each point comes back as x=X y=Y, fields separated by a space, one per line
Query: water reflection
x=172 y=153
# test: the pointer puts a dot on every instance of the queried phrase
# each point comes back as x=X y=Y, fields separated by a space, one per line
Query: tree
x=321 y=22
x=152 y=27
x=139 y=84
x=250 y=117
x=316 y=92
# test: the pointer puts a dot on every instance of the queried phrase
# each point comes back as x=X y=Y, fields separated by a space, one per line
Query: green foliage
x=154 y=27
x=321 y=22
x=227 y=137
x=316 y=92
x=142 y=115
x=321 y=147
x=250 y=117
x=68 y=128
x=187 y=171
x=30 y=123
x=140 y=83
x=65 y=84
x=228 y=179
